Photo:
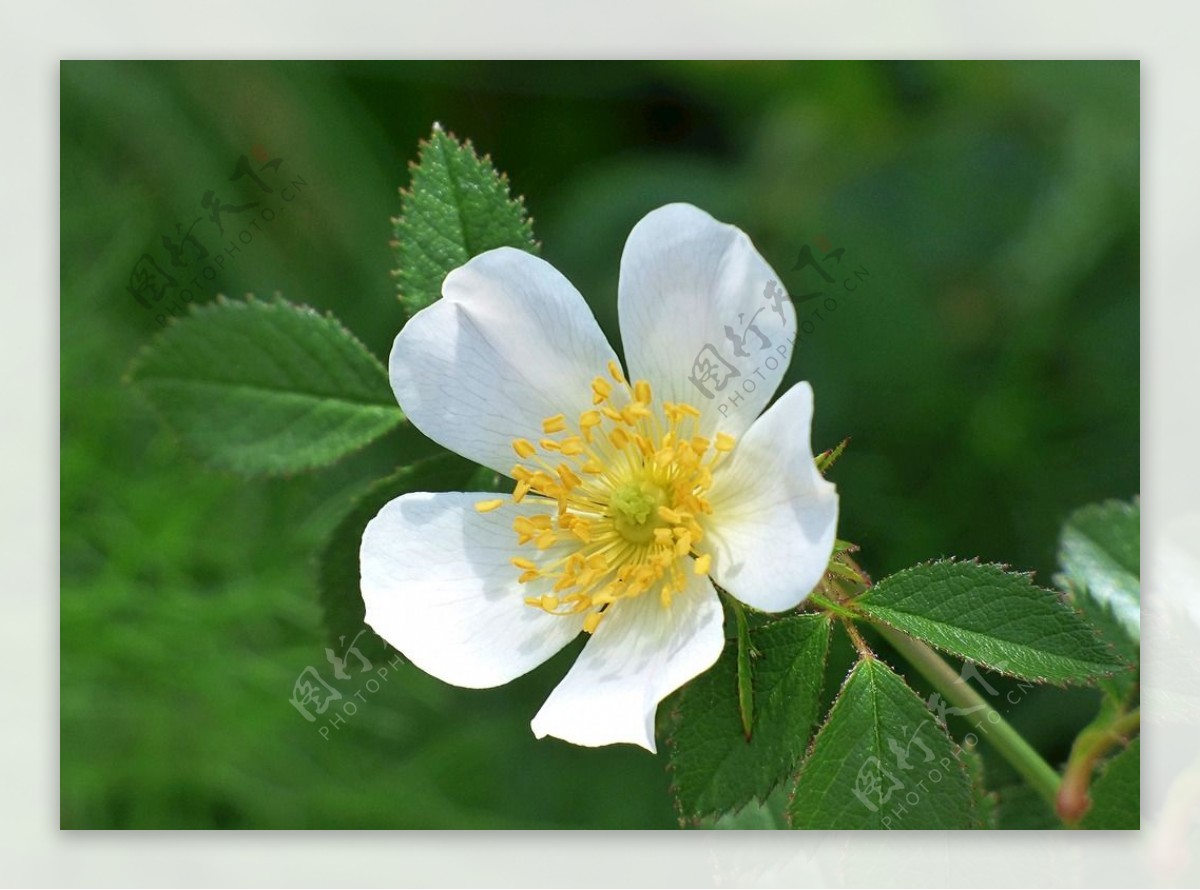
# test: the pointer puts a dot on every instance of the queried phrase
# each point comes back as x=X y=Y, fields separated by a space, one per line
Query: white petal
x=438 y=585
x=510 y=343
x=689 y=287
x=640 y=654
x=774 y=516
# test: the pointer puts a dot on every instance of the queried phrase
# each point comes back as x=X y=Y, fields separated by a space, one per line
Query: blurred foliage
x=987 y=370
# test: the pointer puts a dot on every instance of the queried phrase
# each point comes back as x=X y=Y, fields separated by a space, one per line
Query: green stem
x=1104 y=734
x=1006 y=740
x=830 y=606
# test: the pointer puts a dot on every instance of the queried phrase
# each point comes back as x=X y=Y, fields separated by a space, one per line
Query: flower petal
x=438 y=585
x=641 y=653
x=774 y=516
x=690 y=286
x=510 y=343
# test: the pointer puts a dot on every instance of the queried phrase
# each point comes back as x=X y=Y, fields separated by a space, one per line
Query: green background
x=987 y=372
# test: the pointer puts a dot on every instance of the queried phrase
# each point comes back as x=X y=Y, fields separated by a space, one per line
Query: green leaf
x=338 y=575
x=985 y=801
x=754 y=816
x=999 y=619
x=1100 y=552
x=715 y=768
x=1021 y=808
x=457 y=207
x=265 y=387
x=1116 y=795
x=881 y=761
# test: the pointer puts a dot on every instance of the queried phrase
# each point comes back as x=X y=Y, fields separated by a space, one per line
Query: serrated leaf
x=265 y=387
x=457 y=207
x=754 y=816
x=338 y=573
x=1116 y=794
x=715 y=768
x=881 y=761
x=985 y=801
x=1100 y=552
x=996 y=618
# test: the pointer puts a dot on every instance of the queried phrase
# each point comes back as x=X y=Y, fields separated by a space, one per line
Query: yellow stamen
x=619 y=504
x=489 y=506
x=573 y=445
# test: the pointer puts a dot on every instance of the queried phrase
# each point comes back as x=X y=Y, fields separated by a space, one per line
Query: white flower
x=628 y=496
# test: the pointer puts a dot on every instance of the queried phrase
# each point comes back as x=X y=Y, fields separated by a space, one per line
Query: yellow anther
x=601 y=390
x=569 y=479
x=621 y=506
x=489 y=506
x=631 y=412
x=573 y=445
x=669 y=515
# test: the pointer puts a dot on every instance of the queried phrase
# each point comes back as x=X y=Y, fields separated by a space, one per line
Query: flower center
x=623 y=490
x=634 y=510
